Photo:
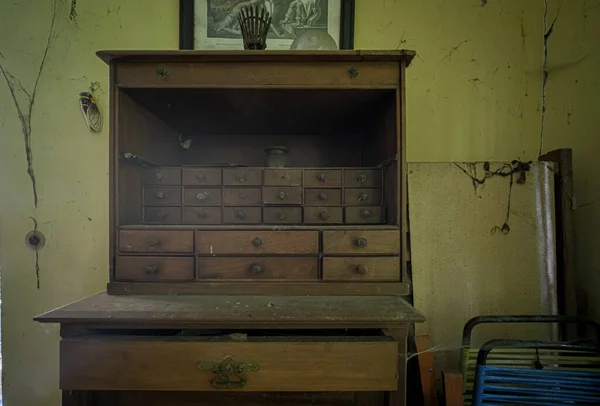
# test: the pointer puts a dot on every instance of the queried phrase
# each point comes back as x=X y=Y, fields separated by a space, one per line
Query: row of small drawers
x=260 y=242
x=235 y=196
x=245 y=176
x=264 y=215
x=148 y=268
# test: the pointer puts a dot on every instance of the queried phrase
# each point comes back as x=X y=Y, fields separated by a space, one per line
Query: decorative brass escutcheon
x=228 y=373
x=363 y=197
x=361 y=178
x=281 y=195
x=160 y=176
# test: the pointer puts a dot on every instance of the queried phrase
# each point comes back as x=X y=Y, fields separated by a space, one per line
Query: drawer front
x=282 y=215
x=162 y=195
x=162 y=215
x=241 y=215
x=202 y=215
x=323 y=215
x=257 y=242
x=156 y=241
x=242 y=176
x=298 y=364
x=202 y=196
x=242 y=196
x=257 y=268
x=323 y=178
x=282 y=195
x=362 y=197
x=154 y=268
x=162 y=176
x=258 y=73
x=364 y=215
x=357 y=242
x=361 y=269
x=201 y=176
x=323 y=197
x=362 y=177
x=283 y=177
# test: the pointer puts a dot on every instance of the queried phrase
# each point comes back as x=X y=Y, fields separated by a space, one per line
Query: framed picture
x=213 y=24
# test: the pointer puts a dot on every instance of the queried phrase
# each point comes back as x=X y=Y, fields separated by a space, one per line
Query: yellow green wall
x=474 y=91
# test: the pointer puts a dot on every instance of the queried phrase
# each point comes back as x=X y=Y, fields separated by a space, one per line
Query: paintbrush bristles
x=254 y=24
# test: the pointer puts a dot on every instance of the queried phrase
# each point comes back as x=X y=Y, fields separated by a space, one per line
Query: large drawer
x=358 y=242
x=297 y=363
x=257 y=242
x=259 y=268
x=361 y=269
x=156 y=241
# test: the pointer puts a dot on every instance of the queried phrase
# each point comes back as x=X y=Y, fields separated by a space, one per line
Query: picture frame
x=196 y=32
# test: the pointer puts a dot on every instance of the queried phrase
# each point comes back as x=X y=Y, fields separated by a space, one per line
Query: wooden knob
x=361 y=242
x=150 y=269
x=256 y=269
x=362 y=269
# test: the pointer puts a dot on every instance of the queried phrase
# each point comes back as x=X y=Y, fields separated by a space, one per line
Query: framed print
x=213 y=24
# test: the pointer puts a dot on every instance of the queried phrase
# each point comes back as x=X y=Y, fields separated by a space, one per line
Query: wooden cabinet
x=229 y=276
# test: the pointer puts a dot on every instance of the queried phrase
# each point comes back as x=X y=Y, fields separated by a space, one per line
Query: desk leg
x=398 y=397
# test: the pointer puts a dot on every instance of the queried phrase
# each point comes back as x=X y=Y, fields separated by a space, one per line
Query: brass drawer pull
x=162 y=214
x=161 y=195
x=228 y=374
x=353 y=72
x=366 y=213
x=151 y=269
x=161 y=177
x=362 y=177
x=281 y=195
x=324 y=215
x=201 y=214
x=241 y=177
x=281 y=215
x=321 y=177
x=162 y=72
x=361 y=242
x=257 y=242
x=201 y=177
x=363 y=197
x=202 y=195
x=256 y=269
x=154 y=243
x=322 y=196
x=362 y=269
x=241 y=214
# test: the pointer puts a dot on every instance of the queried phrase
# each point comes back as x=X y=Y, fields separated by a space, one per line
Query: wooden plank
x=347 y=242
x=109 y=56
x=257 y=242
x=565 y=236
x=257 y=268
x=260 y=308
x=453 y=388
x=300 y=364
x=361 y=268
x=257 y=288
x=427 y=369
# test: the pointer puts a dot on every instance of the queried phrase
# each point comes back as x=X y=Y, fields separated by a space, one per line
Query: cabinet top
x=256 y=56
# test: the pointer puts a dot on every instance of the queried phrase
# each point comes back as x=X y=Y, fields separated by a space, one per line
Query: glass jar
x=277 y=156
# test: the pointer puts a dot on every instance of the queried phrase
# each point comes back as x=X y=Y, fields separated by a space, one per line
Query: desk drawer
x=156 y=241
x=269 y=364
x=361 y=269
x=154 y=268
x=258 y=268
x=257 y=242
x=357 y=242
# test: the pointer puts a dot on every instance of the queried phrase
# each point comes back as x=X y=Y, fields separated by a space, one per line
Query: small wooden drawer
x=156 y=241
x=257 y=268
x=242 y=176
x=323 y=197
x=162 y=177
x=242 y=196
x=241 y=215
x=154 y=268
x=158 y=196
x=364 y=215
x=357 y=242
x=202 y=215
x=257 y=242
x=282 y=215
x=283 y=177
x=162 y=215
x=202 y=196
x=362 y=197
x=323 y=177
x=361 y=269
x=362 y=177
x=282 y=195
x=201 y=176
x=323 y=215
x=293 y=363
